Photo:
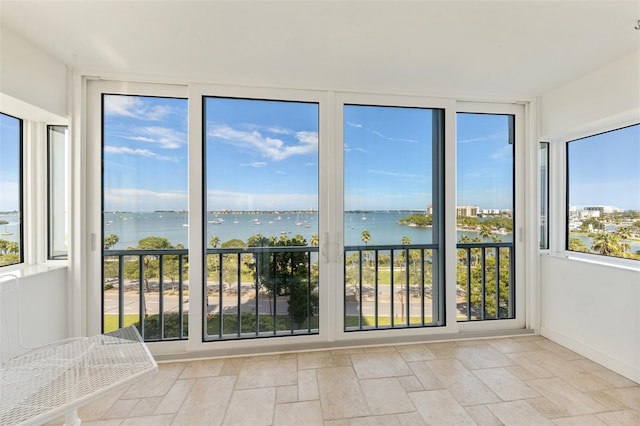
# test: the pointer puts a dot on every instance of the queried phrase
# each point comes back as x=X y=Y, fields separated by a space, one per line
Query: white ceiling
x=472 y=49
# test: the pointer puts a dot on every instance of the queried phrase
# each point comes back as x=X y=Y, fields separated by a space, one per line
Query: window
x=144 y=214
x=261 y=218
x=11 y=246
x=57 y=182
x=392 y=217
x=603 y=193
x=544 y=195
x=485 y=216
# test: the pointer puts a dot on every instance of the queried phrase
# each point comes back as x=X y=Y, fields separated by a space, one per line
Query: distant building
x=467 y=211
x=429 y=210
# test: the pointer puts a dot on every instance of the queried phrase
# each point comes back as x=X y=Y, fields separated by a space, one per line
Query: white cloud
x=505 y=151
x=256 y=164
x=271 y=148
x=354 y=124
x=389 y=138
x=133 y=107
x=164 y=137
x=140 y=152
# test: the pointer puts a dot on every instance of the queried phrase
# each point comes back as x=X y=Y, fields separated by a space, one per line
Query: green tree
x=607 y=244
x=151 y=262
x=576 y=244
x=110 y=241
x=365 y=237
x=214 y=241
x=286 y=273
x=315 y=241
x=485 y=232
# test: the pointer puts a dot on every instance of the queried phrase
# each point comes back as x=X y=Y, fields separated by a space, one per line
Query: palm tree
x=606 y=244
x=110 y=241
x=315 y=241
x=365 y=237
x=485 y=232
x=406 y=241
x=214 y=241
x=624 y=232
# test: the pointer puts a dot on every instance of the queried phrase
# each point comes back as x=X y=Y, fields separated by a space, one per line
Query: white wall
x=33 y=84
x=33 y=87
x=591 y=308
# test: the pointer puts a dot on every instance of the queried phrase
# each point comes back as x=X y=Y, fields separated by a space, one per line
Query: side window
x=11 y=246
x=603 y=193
x=544 y=195
x=57 y=191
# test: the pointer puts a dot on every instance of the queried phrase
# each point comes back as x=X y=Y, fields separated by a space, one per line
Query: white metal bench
x=43 y=384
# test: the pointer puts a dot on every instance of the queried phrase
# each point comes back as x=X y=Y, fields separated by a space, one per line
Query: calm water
x=382 y=226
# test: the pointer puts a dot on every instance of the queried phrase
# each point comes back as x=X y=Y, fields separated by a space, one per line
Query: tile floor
x=526 y=380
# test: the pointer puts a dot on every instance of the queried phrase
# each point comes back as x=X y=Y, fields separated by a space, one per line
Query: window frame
x=49 y=190
x=564 y=248
x=21 y=189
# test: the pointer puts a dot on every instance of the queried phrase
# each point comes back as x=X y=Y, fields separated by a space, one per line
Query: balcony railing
x=485 y=281
x=261 y=292
x=391 y=286
x=148 y=289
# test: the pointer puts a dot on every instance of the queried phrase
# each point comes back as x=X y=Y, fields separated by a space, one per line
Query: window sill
x=22 y=271
x=594 y=259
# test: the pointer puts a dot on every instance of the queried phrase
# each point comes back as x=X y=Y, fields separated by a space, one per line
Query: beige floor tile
x=558 y=350
x=257 y=373
x=112 y=422
x=202 y=368
x=548 y=409
x=439 y=407
x=586 y=420
x=415 y=353
x=411 y=383
x=515 y=345
x=286 y=394
x=380 y=364
x=340 y=393
x=566 y=396
x=405 y=419
x=425 y=375
x=386 y=396
x=462 y=383
x=252 y=407
x=175 y=397
x=505 y=385
x=620 y=418
x=161 y=420
x=207 y=400
x=482 y=416
x=298 y=414
x=156 y=384
x=232 y=367
x=526 y=368
x=97 y=409
x=481 y=356
x=611 y=377
x=121 y=409
x=518 y=413
x=322 y=359
x=569 y=371
x=442 y=350
x=147 y=406
x=618 y=399
x=307 y=385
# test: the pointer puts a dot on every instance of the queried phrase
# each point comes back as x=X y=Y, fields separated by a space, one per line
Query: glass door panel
x=392 y=217
x=485 y=270
x=261 y=218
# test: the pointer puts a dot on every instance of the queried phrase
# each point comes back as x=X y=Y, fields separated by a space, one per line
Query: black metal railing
x=148 y=289
x=485 y=281
x=391 y=286
x=261 y=292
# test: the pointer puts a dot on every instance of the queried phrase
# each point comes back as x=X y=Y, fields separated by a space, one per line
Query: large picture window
x=603 y=193
x=10 y=190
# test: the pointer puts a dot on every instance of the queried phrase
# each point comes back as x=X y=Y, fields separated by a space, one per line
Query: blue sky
x=9 y=163
x=605 y=169
x=263 y=155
